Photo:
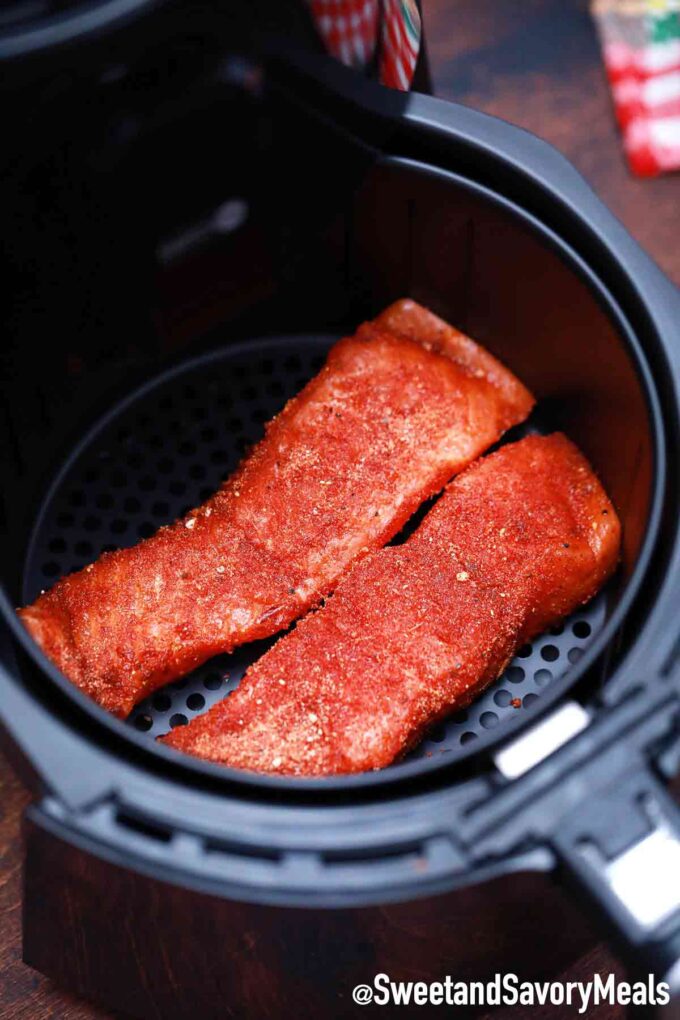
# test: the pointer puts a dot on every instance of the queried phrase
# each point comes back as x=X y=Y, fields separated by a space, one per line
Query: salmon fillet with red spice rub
x=396 y=411
x=418 y=630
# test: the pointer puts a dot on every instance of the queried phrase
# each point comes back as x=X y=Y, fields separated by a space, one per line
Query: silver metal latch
x=645 y=878
x=541 y=740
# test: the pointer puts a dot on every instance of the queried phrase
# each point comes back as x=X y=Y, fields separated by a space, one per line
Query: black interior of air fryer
x=220 y=327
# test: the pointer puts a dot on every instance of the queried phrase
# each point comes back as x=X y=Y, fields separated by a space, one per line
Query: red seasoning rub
x=418 y=630
x=396 y=411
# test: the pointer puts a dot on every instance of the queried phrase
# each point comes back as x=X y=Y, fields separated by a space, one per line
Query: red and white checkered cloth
x=641 y=48
x=384 y=34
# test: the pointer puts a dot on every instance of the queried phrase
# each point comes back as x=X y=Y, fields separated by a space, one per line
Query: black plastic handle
x=622 y=849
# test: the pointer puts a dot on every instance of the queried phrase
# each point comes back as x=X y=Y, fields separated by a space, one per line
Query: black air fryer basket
x=171 y=287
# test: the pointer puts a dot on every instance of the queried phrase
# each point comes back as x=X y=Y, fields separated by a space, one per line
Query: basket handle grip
x=622 y=850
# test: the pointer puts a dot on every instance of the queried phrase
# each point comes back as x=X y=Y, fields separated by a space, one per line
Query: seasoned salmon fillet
x=418 y=630
x=396 y=411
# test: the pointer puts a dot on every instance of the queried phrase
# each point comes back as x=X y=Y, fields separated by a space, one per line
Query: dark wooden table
x=536 y=64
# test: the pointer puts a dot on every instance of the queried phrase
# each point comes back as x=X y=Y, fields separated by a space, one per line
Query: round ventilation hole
x=212 y=682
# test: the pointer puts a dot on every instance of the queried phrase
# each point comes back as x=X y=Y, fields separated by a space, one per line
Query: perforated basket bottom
x=165 y=450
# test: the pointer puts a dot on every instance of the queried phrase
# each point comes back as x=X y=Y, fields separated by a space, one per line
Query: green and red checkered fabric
x=641 y=47
x=380 y=35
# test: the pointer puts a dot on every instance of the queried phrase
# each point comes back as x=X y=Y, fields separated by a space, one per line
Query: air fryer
x=188 y=229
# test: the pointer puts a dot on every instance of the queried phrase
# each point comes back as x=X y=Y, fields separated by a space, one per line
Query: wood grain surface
x=536 y=64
